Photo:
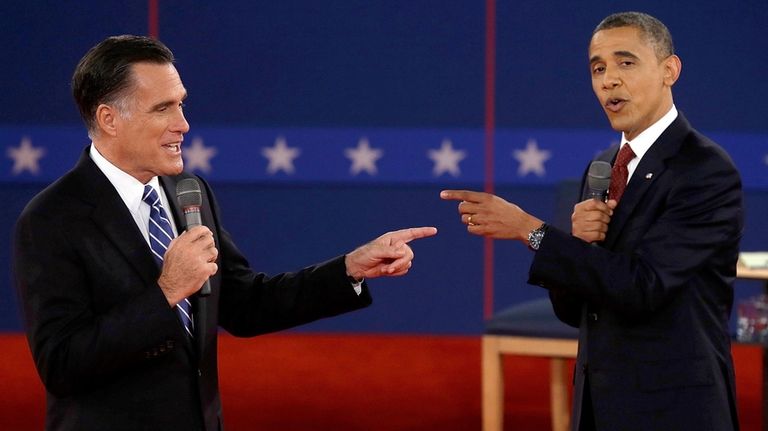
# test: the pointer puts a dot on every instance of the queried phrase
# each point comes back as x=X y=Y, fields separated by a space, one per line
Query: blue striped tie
x=160 y=236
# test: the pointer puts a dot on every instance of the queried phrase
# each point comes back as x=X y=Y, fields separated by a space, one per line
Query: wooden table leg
x=558 y=387
x=493 y=385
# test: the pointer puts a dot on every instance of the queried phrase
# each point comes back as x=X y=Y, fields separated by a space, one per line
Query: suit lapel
x=114 y=219
x=648 y=171
x=116 y=222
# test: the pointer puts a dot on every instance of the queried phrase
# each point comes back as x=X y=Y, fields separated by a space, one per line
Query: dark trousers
x=587 y=422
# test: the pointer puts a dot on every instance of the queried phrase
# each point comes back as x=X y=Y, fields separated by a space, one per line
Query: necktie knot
x=160 y=231
x=625 y=155
x=620 y=173
x=150 y=195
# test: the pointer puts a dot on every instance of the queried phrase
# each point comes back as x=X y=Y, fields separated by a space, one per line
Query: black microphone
x=599 y=180
x=190 y=198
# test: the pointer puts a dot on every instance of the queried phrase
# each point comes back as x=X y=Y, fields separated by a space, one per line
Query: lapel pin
x=649 y=175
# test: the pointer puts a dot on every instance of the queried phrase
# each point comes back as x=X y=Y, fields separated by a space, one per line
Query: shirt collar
x=130 y=189
x=642 y=142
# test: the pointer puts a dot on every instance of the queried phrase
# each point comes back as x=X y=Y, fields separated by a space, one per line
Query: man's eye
x=182 y=105
x=598 y=69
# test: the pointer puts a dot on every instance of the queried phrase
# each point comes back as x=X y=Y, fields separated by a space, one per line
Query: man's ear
x=107 y=119
x=672 y=68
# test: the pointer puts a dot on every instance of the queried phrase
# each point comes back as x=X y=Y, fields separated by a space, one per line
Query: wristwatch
x=535 y=237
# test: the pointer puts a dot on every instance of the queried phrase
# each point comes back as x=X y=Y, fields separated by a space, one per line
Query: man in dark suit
x=648 y=275
x=119 y=336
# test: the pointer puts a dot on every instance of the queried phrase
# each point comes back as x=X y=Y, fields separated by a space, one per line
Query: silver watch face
x=535 y=237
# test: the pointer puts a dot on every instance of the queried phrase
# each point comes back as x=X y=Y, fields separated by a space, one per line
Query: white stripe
x=157 y=241
x=185 y=312
x=189 y=315
x=154 y=198
x=161 y=229
x=160 y=211
x=157 y=254
x=189 y=324
x=165 y=219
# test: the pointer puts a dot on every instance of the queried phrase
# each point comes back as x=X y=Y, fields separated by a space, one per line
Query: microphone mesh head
x=599 y=175
x=188 y=193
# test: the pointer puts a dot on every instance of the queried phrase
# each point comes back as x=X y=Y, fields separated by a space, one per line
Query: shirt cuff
x=357 y=285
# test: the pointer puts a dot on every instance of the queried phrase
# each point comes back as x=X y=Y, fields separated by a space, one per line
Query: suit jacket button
x=592 y=317
x=199 y=373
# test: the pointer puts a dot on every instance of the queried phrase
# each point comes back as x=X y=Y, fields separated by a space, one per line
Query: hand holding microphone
x=191 y=257
x=599 y=180
x=591 y=217
x=190 y=199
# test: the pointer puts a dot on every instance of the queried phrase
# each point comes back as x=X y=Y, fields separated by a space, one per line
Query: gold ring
x=469 y=220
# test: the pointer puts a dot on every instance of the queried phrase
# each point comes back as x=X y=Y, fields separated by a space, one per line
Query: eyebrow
x=167 y=103
x=625 y=54
x=629 y=54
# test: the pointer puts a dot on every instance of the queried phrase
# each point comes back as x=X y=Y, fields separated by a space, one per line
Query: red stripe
x=490 y=125
x=153 y=19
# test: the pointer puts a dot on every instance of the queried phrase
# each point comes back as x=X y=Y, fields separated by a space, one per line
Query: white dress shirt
x=643 y=142
x=131 y=192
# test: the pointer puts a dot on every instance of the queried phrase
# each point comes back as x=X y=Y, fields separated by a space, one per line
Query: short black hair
x=104 y=72
x=651 y=28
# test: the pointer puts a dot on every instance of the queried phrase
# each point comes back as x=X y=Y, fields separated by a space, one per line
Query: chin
x=616 y=124
x=173 y=170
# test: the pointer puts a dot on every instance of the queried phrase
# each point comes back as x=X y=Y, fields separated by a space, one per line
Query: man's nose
x=611 y=79
x=180 y=123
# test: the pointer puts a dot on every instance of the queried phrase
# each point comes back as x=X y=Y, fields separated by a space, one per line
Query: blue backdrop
x=324 y=124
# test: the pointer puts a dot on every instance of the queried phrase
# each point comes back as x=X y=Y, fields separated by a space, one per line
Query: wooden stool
x=527 y=329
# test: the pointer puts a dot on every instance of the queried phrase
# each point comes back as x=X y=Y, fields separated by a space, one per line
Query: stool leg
x=493 y=385
x=558 y=378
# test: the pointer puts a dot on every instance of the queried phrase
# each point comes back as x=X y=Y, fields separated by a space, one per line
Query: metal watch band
x=535 y=237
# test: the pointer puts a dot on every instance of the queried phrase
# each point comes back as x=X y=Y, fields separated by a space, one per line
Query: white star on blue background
x=446 y=159
x=363 y=157
x=198 y=156
x=531 y=159
x=280 y=156
x=26 y=157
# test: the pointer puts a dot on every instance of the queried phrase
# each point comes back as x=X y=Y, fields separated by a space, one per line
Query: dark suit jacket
x=653 y=300
x=110 y=351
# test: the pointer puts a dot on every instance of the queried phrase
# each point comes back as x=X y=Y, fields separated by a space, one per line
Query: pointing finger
x=462 y=195
x=407 y=235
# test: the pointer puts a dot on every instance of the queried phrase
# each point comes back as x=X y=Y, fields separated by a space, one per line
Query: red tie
x=620 y=173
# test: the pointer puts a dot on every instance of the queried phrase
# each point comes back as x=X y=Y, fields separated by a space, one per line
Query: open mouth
x=615 y=104
x=175 y=148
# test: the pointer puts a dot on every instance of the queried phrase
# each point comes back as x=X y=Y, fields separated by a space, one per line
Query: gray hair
x=104 y=74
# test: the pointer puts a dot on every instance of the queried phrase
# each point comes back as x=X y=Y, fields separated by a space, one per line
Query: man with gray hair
x=122 y=334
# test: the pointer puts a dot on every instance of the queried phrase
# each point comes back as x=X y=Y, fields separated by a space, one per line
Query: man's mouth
x=175 y=147
x=615 y=104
